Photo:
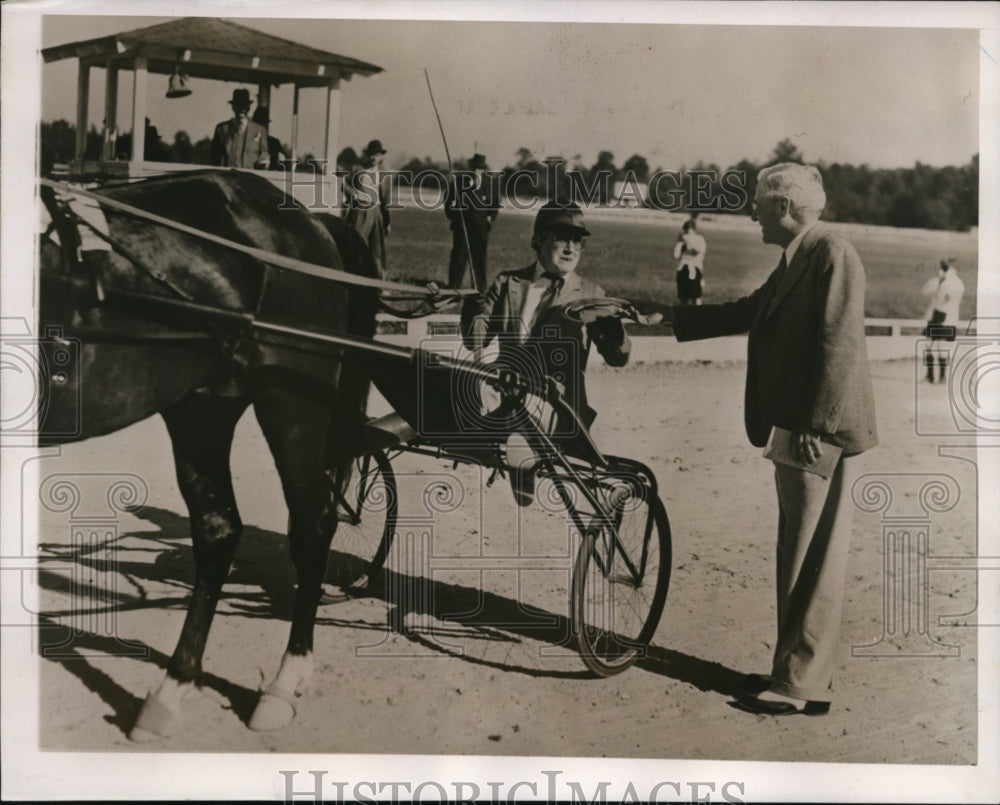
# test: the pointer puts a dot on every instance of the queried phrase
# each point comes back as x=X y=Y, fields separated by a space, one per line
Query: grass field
x=633 y=259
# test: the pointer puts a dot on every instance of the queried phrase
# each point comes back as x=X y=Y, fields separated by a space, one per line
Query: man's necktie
x=549 y=296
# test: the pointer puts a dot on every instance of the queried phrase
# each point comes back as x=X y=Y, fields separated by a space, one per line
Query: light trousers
x=814 y=532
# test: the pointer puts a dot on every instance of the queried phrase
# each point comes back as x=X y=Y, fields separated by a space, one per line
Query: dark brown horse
x=162 y=324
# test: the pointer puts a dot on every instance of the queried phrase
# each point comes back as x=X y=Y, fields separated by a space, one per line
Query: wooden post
x=331 y=138
x=82 y=100
x=139 y=110
x=110 y=134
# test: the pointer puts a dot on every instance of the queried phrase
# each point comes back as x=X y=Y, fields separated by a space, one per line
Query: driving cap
x=560 y=216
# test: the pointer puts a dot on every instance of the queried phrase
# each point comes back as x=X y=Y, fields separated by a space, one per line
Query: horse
x=160 y=320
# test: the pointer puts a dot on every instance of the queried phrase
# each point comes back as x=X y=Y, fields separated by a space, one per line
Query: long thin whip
x=451 y=171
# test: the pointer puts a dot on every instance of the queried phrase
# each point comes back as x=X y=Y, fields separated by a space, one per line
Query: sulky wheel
x=620 y=581
x=366 y=507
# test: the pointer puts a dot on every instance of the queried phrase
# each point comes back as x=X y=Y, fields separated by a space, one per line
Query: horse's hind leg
x=201 y=429
x=296 y=428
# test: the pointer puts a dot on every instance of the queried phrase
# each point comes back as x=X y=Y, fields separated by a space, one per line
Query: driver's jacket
x=556 y=346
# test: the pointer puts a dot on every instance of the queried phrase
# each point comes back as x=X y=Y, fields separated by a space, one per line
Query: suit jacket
x=226 y=149
x=367 y=201
x=498 y=314
x=807 y=362
x=479 y=213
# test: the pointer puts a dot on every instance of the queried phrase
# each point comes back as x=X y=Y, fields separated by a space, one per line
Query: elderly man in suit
x=523 y=310
x=239 y=142
x=807 y=373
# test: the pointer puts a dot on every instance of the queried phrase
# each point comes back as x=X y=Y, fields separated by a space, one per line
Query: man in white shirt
x=689 y=252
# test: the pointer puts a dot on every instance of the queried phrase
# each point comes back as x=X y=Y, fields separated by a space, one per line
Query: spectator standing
x=239 y=142
x=689 y=252
x=367 y=202
x=471 y=211
x=945 y=292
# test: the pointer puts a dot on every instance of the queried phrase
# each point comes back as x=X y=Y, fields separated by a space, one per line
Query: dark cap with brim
x=558 y=217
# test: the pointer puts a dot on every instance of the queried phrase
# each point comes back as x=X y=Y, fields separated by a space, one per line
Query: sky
x=675 y=94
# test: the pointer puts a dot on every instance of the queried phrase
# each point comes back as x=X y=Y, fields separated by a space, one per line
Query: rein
x=271 y=258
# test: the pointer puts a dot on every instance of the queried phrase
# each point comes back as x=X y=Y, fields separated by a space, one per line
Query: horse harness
x=227 y=327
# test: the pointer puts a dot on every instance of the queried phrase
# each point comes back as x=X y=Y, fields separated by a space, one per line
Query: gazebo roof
x=217 y=49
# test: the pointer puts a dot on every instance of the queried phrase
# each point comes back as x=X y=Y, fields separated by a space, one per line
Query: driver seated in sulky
x=522 y=314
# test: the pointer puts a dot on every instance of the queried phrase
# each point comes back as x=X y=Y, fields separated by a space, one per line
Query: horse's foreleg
x=201 y=429
x=296 y=427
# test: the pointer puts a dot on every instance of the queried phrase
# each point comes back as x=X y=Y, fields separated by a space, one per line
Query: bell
x=178 y=87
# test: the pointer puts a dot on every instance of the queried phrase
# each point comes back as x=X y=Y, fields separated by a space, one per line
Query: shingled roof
x=217 y=49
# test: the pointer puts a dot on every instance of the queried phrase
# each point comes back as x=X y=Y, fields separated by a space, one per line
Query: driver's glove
x=609 y=336
x=607 y=330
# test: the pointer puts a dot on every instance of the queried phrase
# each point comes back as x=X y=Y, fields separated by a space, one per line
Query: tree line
x=923 y=196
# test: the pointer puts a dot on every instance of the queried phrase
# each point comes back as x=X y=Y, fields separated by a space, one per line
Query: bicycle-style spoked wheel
x=620 y=582
x=366 y=507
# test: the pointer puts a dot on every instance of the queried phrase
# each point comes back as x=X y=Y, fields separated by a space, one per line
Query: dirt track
x=496 y=684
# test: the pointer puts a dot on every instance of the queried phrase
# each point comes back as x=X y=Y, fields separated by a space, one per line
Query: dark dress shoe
x=763 y=707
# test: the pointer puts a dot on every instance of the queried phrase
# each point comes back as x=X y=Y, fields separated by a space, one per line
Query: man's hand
x=806 y=446
x=607 y=330
x=473 y=305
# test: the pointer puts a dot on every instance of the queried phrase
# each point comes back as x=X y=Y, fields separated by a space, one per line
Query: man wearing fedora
x=471 y=210
x=239 y=142
x=366 y=198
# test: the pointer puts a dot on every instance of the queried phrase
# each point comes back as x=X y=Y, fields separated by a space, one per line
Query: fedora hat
x=241 y=99
x=374 y=147
x=477 y=162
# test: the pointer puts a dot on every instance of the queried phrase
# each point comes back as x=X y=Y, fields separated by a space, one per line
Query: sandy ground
x=413 y=679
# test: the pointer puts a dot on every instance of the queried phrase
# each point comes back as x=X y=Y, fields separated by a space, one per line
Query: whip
x=451 y=171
